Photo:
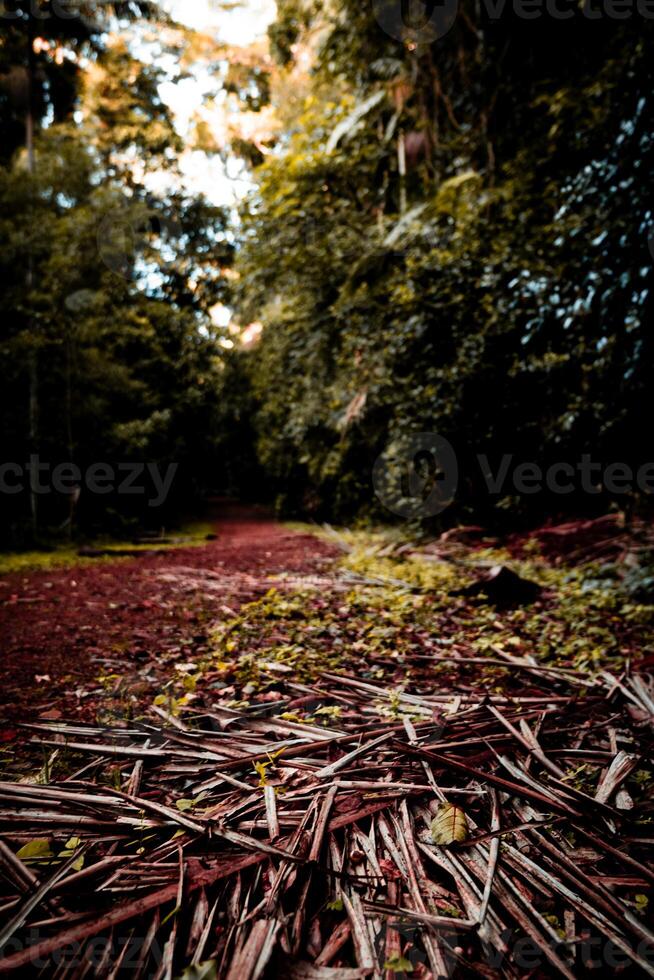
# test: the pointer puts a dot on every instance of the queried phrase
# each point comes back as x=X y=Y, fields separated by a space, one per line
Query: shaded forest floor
x=330 y=755
x=98 y=641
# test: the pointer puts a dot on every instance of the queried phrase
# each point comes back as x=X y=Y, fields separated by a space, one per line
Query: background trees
x=500 y=293
x=108 y=269
x=445 y=233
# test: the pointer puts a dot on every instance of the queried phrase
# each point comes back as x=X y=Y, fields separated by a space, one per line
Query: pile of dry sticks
x=241 y=845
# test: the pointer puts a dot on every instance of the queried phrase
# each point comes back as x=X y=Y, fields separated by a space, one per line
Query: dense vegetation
x=500 y=294
x=444 y=234
x=108 y=348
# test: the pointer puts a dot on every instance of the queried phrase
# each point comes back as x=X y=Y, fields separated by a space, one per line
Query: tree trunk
x=401 y=163
x=33 y=366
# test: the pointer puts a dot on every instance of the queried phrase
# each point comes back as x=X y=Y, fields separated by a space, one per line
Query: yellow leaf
x=260 y=769
x=71 y=846
x=35 y=850
x=450 y=825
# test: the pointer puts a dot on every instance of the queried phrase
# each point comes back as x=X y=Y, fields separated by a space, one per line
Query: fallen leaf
x=35 y=850
x=450 y=825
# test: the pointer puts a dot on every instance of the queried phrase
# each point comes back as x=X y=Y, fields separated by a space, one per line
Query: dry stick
x=519 y=907
x=591 y=889
x=523 y=776
x=528 y=741
x=321 y=825
x=115 y=970
x=507 y=831
x=222 y=777
x=515 y=789
x=90 y=872
x=404 y=837
x=169 y=949
x=42 y=793
x=598 y=842
x=21 y=874
x=299 y=750
x=469 y=891
x=476 y=698
x=413 y=740
x=136 y=775
x=493 y=855
x=147 y=944
x=441 y=921
x=164 y=811
x=271 y=812
x=50 y=817
x=121 y=914
x=463 y=661
x=335 y=943
x=34 y=900
x=204 y=937
x=570 y=675
x=360 y=939
x=594 y=917
x=346 y=759
x=620 y=768
x=131 y=751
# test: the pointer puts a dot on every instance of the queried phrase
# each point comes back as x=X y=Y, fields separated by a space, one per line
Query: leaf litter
x=371 y=781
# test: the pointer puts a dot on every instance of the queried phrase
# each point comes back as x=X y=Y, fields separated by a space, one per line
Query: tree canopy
x=500 y=293
x=448 y=230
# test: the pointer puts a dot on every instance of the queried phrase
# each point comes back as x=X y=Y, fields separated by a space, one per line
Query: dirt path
x=79 y=642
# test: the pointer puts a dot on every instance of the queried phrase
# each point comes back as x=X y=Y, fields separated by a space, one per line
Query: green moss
x=397 y=620
x=189 y=535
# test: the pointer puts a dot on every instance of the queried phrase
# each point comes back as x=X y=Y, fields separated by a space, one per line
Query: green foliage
x=400 y=608
x=504 y=305
x=107 y=288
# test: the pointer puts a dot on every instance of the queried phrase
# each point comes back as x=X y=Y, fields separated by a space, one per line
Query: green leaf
x=71 y=846
x=336 y=906
x=203 y=971
x=185 y=804
x=450 y=825
x=35 y=850
x=398 y=964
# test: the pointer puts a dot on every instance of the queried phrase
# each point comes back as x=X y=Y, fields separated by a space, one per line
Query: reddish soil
x=86 y=642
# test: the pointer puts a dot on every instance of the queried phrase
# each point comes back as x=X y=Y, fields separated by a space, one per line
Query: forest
x=450 y=237
x=326 y=547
